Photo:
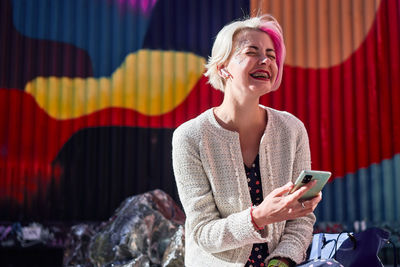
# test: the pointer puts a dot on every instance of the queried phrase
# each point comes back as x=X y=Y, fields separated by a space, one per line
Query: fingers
x=301 y=191
x=278 y=206
x=312 y=203
x=305 y=208
x=315 y=200
x=280 y=191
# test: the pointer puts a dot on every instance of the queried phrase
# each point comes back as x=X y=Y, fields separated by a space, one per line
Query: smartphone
x=307 y=176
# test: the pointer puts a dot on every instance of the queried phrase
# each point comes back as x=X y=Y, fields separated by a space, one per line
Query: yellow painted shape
x=320 y=33
x=149 y=81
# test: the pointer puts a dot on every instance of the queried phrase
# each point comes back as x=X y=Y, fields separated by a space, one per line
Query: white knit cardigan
x=212 y=187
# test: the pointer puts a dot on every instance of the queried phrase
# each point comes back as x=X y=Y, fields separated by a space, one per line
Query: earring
x=225 y=73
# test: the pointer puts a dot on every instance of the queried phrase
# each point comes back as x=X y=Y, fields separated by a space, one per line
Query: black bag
x=361 y=249
x=320 y=263
x=350 y=250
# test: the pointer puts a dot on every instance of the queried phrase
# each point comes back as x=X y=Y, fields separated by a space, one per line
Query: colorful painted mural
x=341 y=79
x=91 y=91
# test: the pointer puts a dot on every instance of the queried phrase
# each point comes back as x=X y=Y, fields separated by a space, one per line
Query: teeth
x=261 y=75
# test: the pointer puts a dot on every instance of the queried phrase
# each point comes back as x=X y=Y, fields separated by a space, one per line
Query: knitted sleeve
x=297 y=233
x=204 y=224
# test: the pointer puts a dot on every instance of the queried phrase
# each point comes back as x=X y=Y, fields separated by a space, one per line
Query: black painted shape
x=103 y=166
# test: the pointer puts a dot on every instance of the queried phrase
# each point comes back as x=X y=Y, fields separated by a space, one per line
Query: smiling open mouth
x=261 y=75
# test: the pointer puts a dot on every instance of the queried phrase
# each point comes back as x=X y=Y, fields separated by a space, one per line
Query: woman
x=234 y=164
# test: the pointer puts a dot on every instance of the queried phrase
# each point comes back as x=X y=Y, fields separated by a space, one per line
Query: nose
x=265 y=60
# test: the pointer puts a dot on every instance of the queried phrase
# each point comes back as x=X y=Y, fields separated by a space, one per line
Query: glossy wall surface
x=91 y=91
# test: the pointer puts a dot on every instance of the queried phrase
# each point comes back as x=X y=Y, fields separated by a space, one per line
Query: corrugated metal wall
x=342 y=80
x=91 y=91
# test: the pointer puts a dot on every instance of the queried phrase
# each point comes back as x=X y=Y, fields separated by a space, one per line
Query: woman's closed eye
x=251 y=53
x=254 y=53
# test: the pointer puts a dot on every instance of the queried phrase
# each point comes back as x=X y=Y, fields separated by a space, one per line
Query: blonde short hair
x=223 y=46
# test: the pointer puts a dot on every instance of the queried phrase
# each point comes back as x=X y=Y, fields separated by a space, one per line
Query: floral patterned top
x=260 y=250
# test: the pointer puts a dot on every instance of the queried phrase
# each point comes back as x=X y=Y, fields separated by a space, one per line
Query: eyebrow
x=256 y=48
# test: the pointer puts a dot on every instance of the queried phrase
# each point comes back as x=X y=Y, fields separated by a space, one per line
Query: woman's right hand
x=279 y=206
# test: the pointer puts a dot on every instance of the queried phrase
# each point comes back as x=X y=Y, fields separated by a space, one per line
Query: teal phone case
x=306 y=176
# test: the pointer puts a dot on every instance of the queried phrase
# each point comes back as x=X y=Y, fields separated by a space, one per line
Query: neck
x=240 y=115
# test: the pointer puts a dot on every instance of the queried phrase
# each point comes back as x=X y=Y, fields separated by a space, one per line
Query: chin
x=261 y=90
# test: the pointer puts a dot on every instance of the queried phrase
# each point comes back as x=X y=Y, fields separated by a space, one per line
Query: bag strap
x=350 y=236
x=394 y=253
x=320 y=244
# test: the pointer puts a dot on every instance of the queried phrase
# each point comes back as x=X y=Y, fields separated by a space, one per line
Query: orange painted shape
x=320 y=33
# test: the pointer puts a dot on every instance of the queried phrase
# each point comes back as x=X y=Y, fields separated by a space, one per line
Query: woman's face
x=252 y=64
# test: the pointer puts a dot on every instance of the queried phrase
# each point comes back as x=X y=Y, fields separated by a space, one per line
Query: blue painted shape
x=105 y=29
x=191 y=26
x=371 y=194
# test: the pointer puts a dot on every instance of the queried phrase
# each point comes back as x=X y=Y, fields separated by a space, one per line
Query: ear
x=223 y=72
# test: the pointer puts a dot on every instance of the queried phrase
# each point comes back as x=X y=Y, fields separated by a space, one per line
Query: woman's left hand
x=279 y=206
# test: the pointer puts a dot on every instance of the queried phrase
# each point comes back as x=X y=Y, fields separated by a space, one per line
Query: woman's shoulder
x=284 y=117
x=192 y=127
x=285 y=123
